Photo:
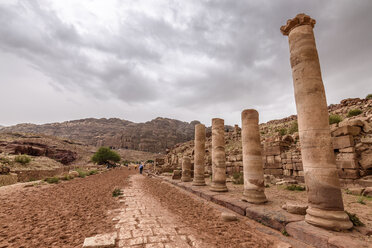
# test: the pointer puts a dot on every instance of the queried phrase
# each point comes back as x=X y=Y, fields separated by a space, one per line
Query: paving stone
x=100 y=241
x=143 y=222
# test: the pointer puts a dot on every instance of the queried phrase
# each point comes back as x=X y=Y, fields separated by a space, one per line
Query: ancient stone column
x=199 y=154
x=326 y=208
x=186 y=169
x=254 y=184
x=218 y=156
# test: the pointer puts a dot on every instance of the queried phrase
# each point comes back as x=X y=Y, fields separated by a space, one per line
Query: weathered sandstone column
x=254 y=184
x=186 y=169
x=326 y=208
x=199 y=154
x=218 y=156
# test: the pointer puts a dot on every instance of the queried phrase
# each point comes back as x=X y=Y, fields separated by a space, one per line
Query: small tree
x=369 y=96
x=354 y=112
x=104 y=155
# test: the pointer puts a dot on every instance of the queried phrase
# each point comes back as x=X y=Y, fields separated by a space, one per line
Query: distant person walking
x=141 y=168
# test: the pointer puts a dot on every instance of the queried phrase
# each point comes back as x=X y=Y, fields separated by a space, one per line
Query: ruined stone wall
x=352 y=141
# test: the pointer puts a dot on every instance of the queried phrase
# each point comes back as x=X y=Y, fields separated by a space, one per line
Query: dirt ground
x=60 y=215
x=205 y=219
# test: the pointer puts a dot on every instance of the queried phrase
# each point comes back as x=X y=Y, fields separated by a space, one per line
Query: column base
x=254 y=196
x=218 y=187
x=199 y=182
x=328 y=219
x=186 y=179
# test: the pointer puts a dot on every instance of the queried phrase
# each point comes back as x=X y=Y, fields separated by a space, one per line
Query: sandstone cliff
x=153 y=136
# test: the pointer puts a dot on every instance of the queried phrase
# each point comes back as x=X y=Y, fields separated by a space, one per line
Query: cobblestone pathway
x=143 y=222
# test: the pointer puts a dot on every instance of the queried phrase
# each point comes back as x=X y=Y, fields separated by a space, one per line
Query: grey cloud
x=228 y=53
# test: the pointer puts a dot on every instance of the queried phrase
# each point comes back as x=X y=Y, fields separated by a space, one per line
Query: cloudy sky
x=189 y=60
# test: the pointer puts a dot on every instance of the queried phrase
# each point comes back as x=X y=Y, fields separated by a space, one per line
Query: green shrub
x=51 y=179
x=5 y=161
x=104 y=155
x=284 y=232
x=150 y=161
x=282 y=131
x=238 y=178
x=354 y=112
x=353 y=218
x=82 y=174
x=334 y=119
x=92 y=172
x=294 y=187
x=22 y=159
x=116 y=192
x=369 y=96
x=67 y=177
x=293 y=128
x=361 y=200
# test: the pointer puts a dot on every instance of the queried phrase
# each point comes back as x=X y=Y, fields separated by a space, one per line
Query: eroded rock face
x=153 y=136
x=36 y=149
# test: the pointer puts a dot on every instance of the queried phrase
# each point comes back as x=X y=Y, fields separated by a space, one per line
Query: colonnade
x=323 y=187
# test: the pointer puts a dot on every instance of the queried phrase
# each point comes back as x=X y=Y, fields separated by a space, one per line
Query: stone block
x=226 y=216
x=347 y=150
x=273 y=171
x=346 y=161
x=101 y=241
x=355 y=191
x=277 y=159
x=346 y=242
x=346 y=130
x=366 y=159
x=309 y=234
x=289 y=166
x=342 y=142
x=287 y=172
x=273 y=166
x=270 y=159
x=298 y=166
x=295 y=208
x=272 y=150
x=353 y=122
x=176 y=174
x=231 y=203
x=348 y=173
x=271 y=216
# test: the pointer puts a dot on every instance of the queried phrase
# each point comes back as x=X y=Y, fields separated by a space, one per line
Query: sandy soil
x=59 y=215
x=205 y=219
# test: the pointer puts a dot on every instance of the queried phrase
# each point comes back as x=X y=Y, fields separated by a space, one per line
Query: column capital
x=299 y=20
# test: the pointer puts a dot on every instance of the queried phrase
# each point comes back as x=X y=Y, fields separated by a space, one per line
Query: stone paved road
x=143 y=222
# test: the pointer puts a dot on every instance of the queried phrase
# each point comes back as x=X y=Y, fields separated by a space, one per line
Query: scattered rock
x=368 y=192
x=283 y=245
x=295 y=208
x=4 y=170
x=74 y=173
x=287 y=181
x=355 y=191
x=177 y=174
x=226 y=216
x=101 y=241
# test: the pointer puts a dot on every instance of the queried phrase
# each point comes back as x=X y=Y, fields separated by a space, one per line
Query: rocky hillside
x=153 y=136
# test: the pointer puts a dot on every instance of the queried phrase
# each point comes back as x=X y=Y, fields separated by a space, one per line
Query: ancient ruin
x=186 y=169
x=199 y=155
x=254 y=185
x=326 y=208
x=218 y=156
